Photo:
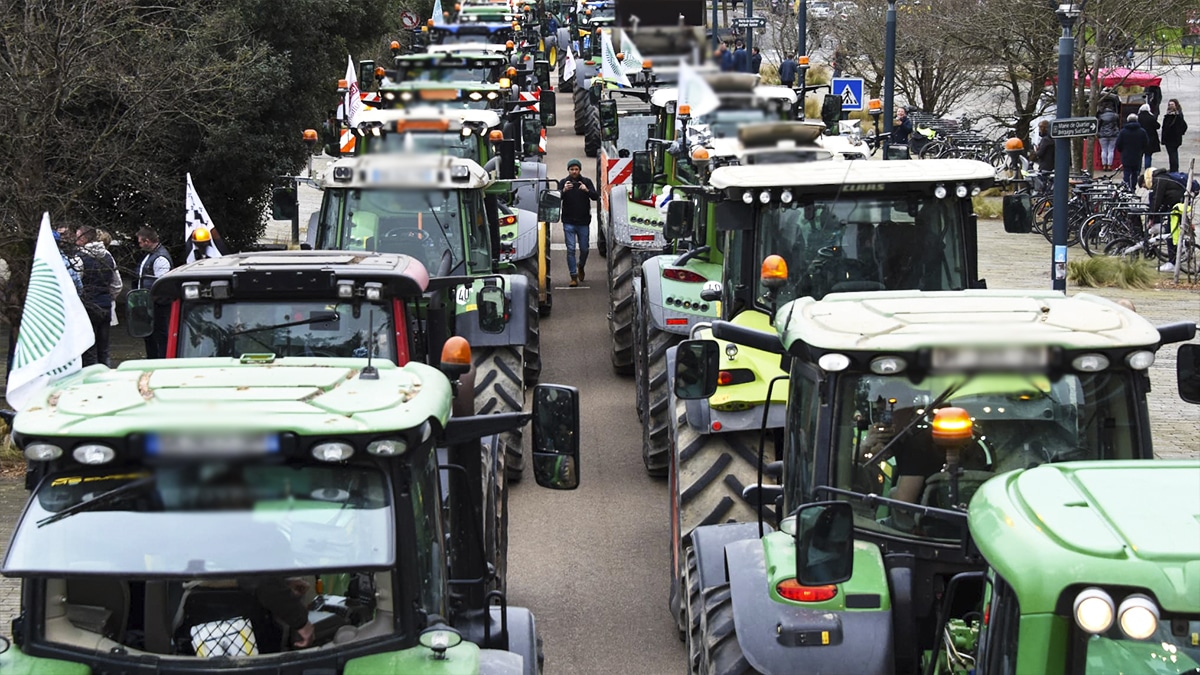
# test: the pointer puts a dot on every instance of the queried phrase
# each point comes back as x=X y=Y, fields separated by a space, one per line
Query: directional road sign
x=1074 y=127
x=750 y=22
x=850 y=89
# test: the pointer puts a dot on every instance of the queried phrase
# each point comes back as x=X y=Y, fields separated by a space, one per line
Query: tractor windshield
x=725 y=123
x=206 y=520
x=299 y=328
x=423 y=223
x=426 y=72
x=882 y=442
x=864 y=243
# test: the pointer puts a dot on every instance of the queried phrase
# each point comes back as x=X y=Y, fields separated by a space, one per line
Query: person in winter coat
x=1043 y=153
x=99 y=277
x=1132 y=143
x=741 y=59
x=755 y=61
x=1149 y=122
x=578 y=193
x=1107 y=131
x=1173 y=129
x=787 y=71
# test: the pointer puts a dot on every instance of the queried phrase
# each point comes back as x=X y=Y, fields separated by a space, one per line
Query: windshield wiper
x=98 y=500
x=334 y=316
x=441 y=228
x=892 y=445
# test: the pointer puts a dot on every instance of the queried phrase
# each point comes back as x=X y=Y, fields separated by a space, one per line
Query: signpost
x=756 y=22
x=1074 y=127
x=850 y=90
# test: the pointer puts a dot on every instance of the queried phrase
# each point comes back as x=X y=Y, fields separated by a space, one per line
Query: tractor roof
x=906 y=321
x=428 y=172
x=304 y=395
x=468 y=48
x=288 y=274
x=864 y=175
x=665 y=96
x=1130 y=524
x=454 y=117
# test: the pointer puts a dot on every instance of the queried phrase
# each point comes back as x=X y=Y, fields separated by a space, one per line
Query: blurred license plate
x=201 y=445
x=990 y=358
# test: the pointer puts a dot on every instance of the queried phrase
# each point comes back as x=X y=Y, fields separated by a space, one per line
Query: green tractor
x=631 y=225
x=480 y=136
x=1084 y=574
x=264 y=515
x=900 y=404
x=675 y=292
x=439 y=210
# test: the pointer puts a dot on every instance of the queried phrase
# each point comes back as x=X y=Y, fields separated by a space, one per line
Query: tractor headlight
x=93 y=454
x=1138 y=616
x=1093 y=610
x=333 y=451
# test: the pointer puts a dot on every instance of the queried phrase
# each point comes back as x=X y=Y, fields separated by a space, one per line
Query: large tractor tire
x=582 y=99
x=654 y=385
x=591 y=131
x=565 y=85
x=713 y=469
x=689 y=615
x=639 y=357
x=620 y=308
x=499 y=389
x=602 y=243
x=495 y=510
x=533 y=339
x=720 y=653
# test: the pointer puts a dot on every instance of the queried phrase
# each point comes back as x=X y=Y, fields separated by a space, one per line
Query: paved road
x=592 y=564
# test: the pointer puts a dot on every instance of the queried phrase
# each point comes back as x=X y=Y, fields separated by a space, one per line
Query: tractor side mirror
x=831 y=111
x=541 y=72
x=548 y=104
x=642 y=180
x=610 y=130
x=1018 y=214
x=283 y=203
x=550 y=206
x=696 y=369
x=824 y=543
x=556 y=436
x=139 y=313
x=531 y=135
x=490 y=301
x=680 y=219
x=1187 y=372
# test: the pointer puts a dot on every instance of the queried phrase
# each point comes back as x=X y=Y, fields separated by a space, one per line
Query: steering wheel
x=830 y=252
x=405 y=233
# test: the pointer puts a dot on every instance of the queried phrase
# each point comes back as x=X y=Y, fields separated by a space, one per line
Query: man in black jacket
x=578 y=193
x=1131 y=143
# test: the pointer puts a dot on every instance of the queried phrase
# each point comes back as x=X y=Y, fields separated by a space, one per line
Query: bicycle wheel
x=1123 y=247
x=933 y=150
x=1189 y=257
x=1095 y=233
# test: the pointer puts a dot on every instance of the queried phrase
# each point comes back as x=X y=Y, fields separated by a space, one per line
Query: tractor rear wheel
x=653 y=382
x=620 y=308
x=533 y=338
x=720 y=653
x=591 y=131
x=712 y=470
x=499 y=388
x=691 y=611
x=580 y=98
x=495 y=507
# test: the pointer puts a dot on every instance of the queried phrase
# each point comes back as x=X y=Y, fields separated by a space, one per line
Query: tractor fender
x=466 y=323
x=497 y=662
x=741 y=420
x=618 y=215
x=530 y=186
x=564 y=39
x=708 y=544
x=775 y=636
x=657 y=312
x=522 y=638
x=526 y=243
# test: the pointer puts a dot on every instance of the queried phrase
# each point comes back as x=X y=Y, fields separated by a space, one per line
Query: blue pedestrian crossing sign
x=850 y=90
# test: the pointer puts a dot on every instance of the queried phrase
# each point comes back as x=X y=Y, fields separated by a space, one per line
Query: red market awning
x=1124 y=77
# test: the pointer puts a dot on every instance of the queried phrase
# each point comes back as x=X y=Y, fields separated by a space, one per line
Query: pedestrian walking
x=1043 y=152
x=787 y=70
x=1149 y=122
x=755 y=61
x=1131 y=143
x=1109 y=127
x=101 y=283
x=1173 y=129
x=156 y=263
x=578 y=193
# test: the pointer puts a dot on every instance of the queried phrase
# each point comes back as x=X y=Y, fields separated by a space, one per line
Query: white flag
x=195 y=217
x=569 y=66
x=610 y=68
x=695 y=92
x=55 y=329
x=632 y=62
x=437 y=11
x=353 y=104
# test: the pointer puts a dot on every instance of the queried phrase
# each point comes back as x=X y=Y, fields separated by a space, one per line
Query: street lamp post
x=889 y=70
x=749 y=35
x=802 y=26
x=1067 y=12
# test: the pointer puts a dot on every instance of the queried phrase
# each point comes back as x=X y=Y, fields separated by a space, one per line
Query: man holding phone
x=578 y=193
